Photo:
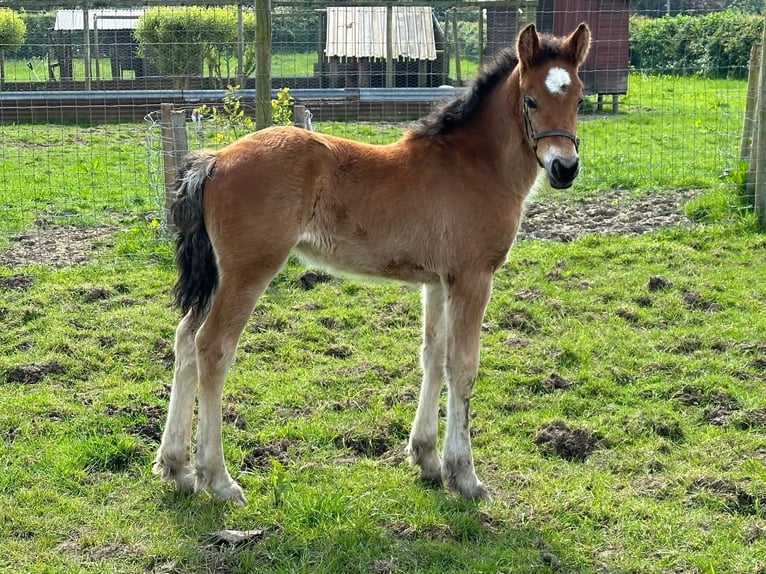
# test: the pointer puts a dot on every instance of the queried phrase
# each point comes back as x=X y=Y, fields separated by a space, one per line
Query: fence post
x=262 y=64
x=747 y=145
x=174 y=148
x=759 y=141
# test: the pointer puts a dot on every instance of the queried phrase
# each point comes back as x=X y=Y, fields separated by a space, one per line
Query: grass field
x=299 y=64
x=649 y=349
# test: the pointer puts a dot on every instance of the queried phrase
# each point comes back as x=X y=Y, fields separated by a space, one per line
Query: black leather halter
x=533 y=136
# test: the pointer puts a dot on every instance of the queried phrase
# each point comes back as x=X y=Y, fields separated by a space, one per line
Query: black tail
x=195 y=258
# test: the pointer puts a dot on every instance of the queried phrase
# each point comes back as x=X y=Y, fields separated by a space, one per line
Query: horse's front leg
x=467 y=300
x=422 y=445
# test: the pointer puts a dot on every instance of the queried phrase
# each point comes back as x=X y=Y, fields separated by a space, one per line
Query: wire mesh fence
x=80 y=132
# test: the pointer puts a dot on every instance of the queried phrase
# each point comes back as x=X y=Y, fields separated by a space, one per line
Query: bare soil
x=609 y=212
x=574 y=444
x=54 y=246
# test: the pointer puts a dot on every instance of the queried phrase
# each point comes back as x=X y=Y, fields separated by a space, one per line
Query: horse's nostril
x=564 y=170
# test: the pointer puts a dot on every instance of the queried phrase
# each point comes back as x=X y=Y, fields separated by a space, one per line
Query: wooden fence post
x=747 y=145
x=759 y=142
x=174 y=148
x=262 y=64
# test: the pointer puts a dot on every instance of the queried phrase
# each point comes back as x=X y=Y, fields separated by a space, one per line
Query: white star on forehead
x=557 y=81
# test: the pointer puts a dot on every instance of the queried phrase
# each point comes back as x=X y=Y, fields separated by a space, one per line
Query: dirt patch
x=752 y=419
x=553 y=382
x=608 y=212
x=374 y=442
x=33 y=372
x=260 y=456
x=735 y=496
x=95 y=294
x=694 y=301
x=311 y=279
x=658 y=283
x=519 y=320
x=573 y=444
x=232 y=416
x=55 y=246
x=339 y=352
x=18 y=282
x=150 y=428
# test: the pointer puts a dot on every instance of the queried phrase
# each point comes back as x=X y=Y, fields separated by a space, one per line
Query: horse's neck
x=501 y=134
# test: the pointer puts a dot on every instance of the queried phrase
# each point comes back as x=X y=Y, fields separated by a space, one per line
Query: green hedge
x=713 y=45
x=12 y=30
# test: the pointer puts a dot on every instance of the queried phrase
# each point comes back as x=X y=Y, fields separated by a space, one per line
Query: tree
x=12 y=34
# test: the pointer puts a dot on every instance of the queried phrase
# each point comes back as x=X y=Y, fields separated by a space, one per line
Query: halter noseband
x=533 y=136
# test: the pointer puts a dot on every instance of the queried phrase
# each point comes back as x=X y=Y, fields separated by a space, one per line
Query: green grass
x=320 y=401
x=671 y=133
x=673 y=489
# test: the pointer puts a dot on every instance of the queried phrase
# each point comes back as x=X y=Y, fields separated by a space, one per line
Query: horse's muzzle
x=562 y=172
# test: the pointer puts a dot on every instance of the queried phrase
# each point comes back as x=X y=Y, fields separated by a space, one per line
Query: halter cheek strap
x=533 y=136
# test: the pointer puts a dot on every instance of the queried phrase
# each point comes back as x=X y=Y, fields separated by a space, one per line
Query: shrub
x=12 y=30
x=178 y=41
x=714 y=45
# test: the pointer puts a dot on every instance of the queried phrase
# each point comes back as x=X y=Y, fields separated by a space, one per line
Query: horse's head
x=551 y=92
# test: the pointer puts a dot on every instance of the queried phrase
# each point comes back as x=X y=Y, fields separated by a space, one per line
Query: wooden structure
x=382 y=46
x=606 y=70
x=111 y=34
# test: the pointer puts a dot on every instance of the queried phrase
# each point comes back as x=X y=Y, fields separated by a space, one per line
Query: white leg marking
x=422 y=445
x=468 y=298
x=172 y=461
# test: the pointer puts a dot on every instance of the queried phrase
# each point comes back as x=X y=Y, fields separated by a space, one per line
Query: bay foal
x=440 y=207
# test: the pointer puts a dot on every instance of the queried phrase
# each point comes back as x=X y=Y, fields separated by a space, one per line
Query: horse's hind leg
x=216 y=347
x=172 y=461
x=467 y=300
x=422 y=445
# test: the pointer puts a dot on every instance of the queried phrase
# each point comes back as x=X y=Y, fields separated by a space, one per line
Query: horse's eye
x=530 y=103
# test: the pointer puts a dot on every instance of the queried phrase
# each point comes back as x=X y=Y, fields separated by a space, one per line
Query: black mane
x=448 y=116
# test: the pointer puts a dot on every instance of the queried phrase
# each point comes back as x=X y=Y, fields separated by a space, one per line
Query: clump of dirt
x=403 y=397
x=658 y=283
x=627 y=314
x=519 y=320
x=694 y=301
x=372 y=442
x=718 y=415
x=311 y=279
x=151 y=429
x=554 y=382
x=54 y=246
x=18 y=282
x=573 y=444
x=339 y=352
x=33 y=372
x=232 y=416
x=260 y=456
x=734 y=495
x=752 y=419
x=96 y=294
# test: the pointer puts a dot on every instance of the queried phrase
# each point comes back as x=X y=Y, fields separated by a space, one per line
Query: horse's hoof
x=230 y=492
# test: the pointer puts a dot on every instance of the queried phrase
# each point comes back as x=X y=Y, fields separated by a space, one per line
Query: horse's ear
x=578 y=43
x=527 y=45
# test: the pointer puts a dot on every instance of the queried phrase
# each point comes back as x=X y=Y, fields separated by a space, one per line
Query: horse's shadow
x=200 y=520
